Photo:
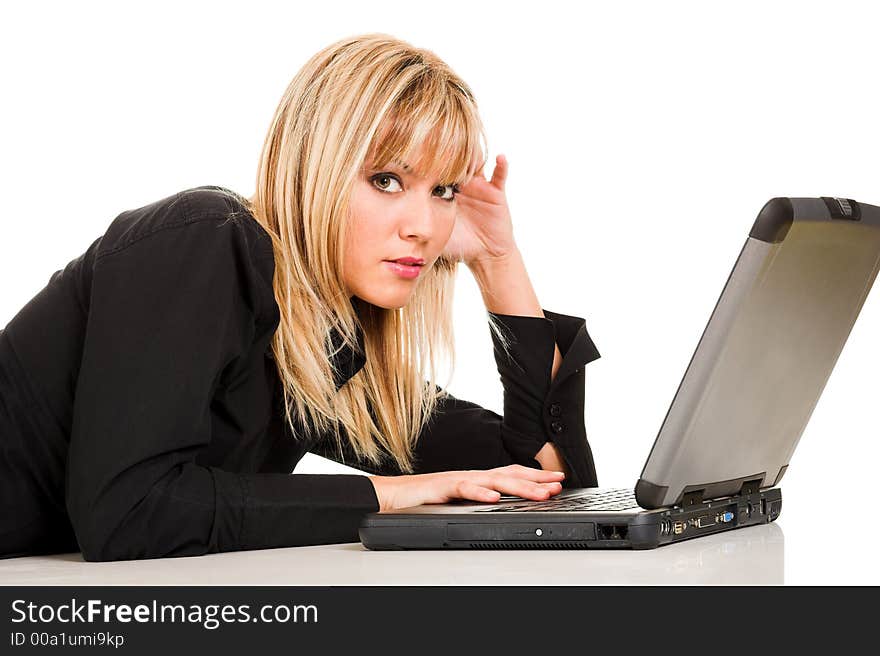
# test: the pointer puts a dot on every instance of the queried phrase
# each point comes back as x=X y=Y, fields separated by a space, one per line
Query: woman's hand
x=476 y=485
x=483 y=228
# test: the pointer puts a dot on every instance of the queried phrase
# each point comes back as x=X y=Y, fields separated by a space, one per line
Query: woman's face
x=395 y=215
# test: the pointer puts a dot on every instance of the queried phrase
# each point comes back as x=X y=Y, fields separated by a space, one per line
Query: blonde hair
x=365 y=96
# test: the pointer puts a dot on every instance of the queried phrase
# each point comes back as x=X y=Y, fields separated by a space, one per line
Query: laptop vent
x=529 y=545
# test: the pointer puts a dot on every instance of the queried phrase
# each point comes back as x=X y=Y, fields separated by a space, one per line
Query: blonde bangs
x=434 y=128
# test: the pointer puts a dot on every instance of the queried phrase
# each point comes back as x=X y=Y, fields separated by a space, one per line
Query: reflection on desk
x=748 y=555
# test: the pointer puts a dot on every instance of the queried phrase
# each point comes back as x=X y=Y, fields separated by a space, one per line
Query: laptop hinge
x=692 y=498
x=750 y=487
x=696 y=497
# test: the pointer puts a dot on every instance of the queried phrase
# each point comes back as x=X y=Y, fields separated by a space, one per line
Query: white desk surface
x=744 y=556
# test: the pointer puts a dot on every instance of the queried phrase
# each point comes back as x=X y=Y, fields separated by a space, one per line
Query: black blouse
x=141 y=411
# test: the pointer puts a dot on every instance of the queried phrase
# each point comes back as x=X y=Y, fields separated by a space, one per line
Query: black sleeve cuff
x=525 y=364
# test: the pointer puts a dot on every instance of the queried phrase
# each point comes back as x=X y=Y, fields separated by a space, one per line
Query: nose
x=418 y=220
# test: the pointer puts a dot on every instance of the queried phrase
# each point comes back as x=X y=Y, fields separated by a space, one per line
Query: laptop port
x=678 y=528
x=612 y=532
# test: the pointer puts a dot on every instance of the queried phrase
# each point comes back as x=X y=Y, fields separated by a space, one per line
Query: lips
x=399 y=267
x=410 y=261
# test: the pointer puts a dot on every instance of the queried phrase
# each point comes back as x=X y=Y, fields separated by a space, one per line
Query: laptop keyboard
x=609 y=499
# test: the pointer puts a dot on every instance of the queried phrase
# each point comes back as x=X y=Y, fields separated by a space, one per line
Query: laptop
x=747 y=394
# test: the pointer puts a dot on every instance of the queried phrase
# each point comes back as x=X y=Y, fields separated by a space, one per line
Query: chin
x=391 y=304
x=386 y=300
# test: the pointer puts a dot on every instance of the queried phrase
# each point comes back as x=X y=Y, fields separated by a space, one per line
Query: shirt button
x=557 y=426
x=555 y=409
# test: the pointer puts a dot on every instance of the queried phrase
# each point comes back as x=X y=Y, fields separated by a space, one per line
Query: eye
x=384 y=182
x=447 y=192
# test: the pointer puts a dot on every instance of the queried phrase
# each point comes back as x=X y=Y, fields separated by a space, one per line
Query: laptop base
x=636 y=529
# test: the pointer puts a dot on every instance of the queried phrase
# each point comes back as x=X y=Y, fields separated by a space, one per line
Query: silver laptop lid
x=767 y=352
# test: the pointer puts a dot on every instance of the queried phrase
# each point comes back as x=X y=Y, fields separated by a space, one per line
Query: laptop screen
x=767 y=352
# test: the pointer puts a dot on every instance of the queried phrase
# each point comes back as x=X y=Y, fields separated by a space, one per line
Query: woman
x=157 y=393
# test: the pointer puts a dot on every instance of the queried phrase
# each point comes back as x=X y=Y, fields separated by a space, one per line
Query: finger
x=474 y=492
x=540 y=491
x=532 y=474
x=553 y=488
x=499 y=175
x=519 y=487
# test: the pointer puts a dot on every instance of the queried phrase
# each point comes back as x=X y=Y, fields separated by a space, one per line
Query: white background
x=643 y=138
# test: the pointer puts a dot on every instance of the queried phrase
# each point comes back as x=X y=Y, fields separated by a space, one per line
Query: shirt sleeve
x=172 y=316
x=463 y=435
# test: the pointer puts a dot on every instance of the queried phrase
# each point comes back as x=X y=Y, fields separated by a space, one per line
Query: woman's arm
x=506 y=289
x=483 y=239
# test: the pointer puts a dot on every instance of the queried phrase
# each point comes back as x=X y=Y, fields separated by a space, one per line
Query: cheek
x=363 y=210
x=365 y=230
x=448 y=225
